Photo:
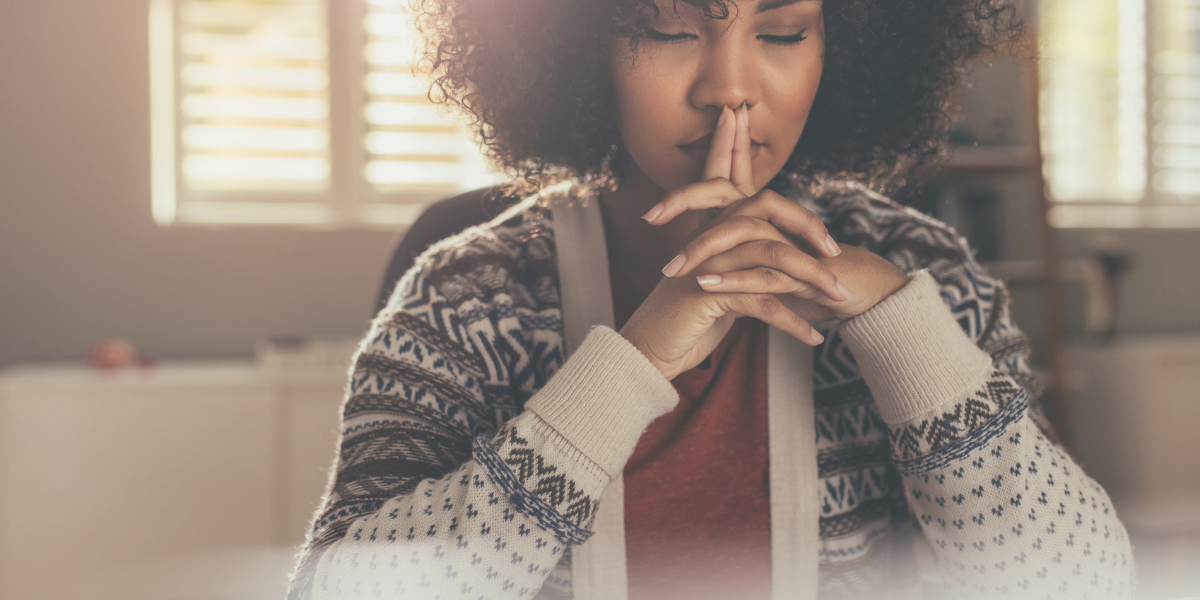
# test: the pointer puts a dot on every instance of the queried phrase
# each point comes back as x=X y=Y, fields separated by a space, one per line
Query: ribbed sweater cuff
x=603 y=398
x=912 y=353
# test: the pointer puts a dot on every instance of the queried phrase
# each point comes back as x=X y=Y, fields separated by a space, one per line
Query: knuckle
x=769 y=276
x=732 y=204
x=775 y=251
x=764 y=196
x=763 y=229
x=766 y=304
x=770 y=197
x=701 y=246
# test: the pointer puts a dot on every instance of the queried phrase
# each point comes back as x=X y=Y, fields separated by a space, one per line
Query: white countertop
x=166 y=374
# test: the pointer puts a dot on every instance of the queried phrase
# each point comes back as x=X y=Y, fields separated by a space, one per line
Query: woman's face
x=768 y=54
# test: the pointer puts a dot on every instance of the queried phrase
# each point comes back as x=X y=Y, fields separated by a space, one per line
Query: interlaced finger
x=762 y=280
x=769 y=309
x=724 y=235
x=782 y=257
x=704 y=195
x=786 y=215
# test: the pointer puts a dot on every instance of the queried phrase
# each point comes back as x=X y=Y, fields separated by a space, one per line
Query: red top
x=697 y=514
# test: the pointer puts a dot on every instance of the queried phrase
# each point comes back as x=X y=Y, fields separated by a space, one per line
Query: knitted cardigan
x=473 y=454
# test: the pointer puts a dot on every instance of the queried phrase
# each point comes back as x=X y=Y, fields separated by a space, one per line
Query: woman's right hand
x=680 y=323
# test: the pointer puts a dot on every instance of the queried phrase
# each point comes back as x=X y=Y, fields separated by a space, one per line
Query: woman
x=525 y=369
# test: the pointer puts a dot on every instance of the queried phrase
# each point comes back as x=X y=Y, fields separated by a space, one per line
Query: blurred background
x=199 y=199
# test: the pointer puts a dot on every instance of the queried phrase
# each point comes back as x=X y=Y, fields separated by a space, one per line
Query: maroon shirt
x=697 y=512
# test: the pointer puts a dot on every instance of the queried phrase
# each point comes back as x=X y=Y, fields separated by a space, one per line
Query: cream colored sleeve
x=603 y=398
x=1005 y=510
x=912 y=353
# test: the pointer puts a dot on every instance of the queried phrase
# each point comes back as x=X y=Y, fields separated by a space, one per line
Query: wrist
x=630 y=335
x=881 y=286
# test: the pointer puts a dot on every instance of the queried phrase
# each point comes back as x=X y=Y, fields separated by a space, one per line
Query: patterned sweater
x=473 y=453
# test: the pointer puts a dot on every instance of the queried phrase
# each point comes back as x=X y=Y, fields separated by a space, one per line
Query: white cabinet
x=188 y=481
x=1135 y=409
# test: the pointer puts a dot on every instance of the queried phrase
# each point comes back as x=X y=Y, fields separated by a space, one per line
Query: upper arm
x=414 y=402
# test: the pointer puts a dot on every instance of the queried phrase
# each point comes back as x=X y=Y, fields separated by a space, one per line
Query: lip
x=699 y=147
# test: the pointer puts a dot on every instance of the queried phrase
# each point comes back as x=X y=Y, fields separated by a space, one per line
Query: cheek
x=637 y=110
x=647 y=122
x=789 y=91
x=794 y=91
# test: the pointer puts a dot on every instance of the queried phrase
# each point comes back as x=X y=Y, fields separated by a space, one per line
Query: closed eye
x=785 y=40
x=670 y=38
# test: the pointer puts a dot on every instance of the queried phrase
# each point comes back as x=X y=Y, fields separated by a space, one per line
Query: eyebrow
x=766 y=5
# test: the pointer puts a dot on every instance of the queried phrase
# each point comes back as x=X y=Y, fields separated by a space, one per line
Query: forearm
x=500 y=522
x=1007 y=511
x=1002 y=507
x=483 y=528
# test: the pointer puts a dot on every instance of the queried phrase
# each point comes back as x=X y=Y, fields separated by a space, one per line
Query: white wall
x=80 y=257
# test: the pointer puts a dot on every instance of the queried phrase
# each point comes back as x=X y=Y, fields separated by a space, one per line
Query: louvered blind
x=1093 y=99
x=254 y=83
x=1112 y=158
x=247 y=128
x=1175 y=90
x=412 y=146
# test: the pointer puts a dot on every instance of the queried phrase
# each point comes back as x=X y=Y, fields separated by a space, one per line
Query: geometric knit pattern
x=475 y=329
x=1022 y=521
x=928 y=434
x=529 y=453
x=440 y=541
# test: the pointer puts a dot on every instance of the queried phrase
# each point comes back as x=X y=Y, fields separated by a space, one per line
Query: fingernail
x=653 y=213
x=724 y=116
x=834 y=249
x=817 y=336
x=705 y=280
x=841 y=287
x=746 y=116
x=674 y=266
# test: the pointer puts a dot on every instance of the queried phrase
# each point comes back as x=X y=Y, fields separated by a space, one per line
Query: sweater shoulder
x=512 y=256
x=909 y=238
x=914 y=241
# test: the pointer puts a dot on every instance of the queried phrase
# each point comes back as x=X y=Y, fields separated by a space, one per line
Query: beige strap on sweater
x=795 y=534
x=598 y=566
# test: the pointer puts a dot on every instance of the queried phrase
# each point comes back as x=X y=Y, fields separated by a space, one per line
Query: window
x=262 y=113
x=1121 y=112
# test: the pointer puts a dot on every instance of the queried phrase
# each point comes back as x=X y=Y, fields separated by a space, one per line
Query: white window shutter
x=1175 y=90
x=247 y=129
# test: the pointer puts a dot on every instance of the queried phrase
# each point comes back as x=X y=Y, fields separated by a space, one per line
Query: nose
x=725 y=76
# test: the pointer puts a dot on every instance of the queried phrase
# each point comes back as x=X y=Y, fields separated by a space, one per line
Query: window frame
x=1153 y=209
x=349 y=202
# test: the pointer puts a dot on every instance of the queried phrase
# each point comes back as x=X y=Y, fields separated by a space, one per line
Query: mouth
x=699 y=148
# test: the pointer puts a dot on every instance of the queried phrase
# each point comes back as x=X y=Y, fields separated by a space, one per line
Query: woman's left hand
x=768 y=240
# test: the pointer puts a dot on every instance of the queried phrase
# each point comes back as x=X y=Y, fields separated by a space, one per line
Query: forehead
x=721 y=9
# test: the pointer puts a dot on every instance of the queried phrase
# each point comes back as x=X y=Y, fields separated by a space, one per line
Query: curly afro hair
x=532 y=75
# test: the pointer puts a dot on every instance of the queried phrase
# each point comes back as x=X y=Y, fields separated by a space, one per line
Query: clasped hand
x=761 y=255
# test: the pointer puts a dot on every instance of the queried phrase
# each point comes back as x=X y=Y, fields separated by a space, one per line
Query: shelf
x=990 y=158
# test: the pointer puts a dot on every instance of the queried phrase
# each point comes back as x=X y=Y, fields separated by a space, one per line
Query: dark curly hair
x=533 y=77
